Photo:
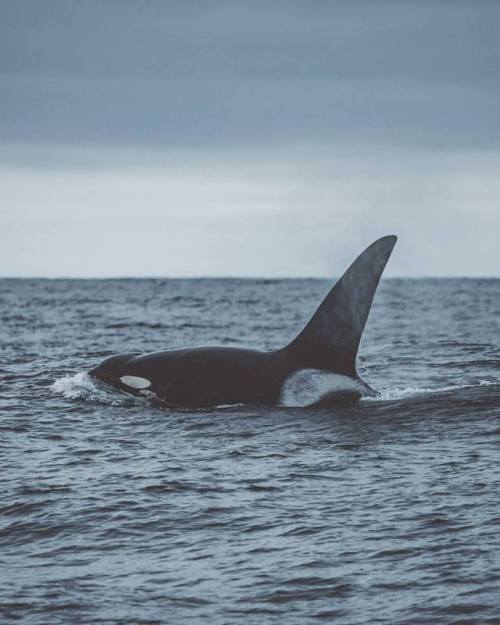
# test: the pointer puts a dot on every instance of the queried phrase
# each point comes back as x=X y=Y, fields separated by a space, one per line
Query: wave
x=82 y=386
x=408 y=392
x=73 y=386
x=139 y=324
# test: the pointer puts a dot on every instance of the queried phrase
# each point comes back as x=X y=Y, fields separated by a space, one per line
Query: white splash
x=74 y=386
x=408 y=392
x=83 y=386
x=307 y=386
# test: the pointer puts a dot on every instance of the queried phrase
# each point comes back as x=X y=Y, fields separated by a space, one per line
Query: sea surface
x=114 y=510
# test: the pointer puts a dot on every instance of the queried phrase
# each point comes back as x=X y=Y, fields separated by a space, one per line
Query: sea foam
x=74 y=386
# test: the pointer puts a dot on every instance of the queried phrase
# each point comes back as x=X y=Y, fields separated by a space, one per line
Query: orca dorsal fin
x=331 y=339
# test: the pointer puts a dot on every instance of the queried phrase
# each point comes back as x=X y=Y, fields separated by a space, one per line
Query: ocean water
x=116 y=510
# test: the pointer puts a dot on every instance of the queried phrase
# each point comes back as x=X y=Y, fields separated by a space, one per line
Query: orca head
x=116 y=371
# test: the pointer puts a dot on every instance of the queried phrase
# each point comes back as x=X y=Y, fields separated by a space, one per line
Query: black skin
x=205 y=376
x=201 y=377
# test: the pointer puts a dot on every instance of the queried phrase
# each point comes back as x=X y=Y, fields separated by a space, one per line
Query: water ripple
x=118 y=510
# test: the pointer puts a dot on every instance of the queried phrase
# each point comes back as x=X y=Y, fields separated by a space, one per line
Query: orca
x=317 y=367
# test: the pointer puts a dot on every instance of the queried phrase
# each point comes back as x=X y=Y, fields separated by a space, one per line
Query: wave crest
x=74 y=386
x=409 y=392
x=82 y=386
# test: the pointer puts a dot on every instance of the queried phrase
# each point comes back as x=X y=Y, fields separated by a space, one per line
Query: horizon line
x=246 y=277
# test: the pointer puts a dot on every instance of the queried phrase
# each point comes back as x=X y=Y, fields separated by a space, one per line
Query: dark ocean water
x=114 y=510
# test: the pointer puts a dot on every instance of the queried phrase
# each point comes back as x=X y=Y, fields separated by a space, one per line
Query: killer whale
x=321 y=357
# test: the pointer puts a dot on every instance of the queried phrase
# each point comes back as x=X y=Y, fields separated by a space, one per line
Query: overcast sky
x=248 y=138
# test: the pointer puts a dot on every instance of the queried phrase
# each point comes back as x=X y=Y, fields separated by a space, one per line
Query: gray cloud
x=227 y=73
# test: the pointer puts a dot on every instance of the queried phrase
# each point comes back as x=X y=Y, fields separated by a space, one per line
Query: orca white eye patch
x=135 y=382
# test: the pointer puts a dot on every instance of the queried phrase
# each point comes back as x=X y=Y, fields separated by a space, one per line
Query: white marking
x=135 y=382
x=307 y=386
